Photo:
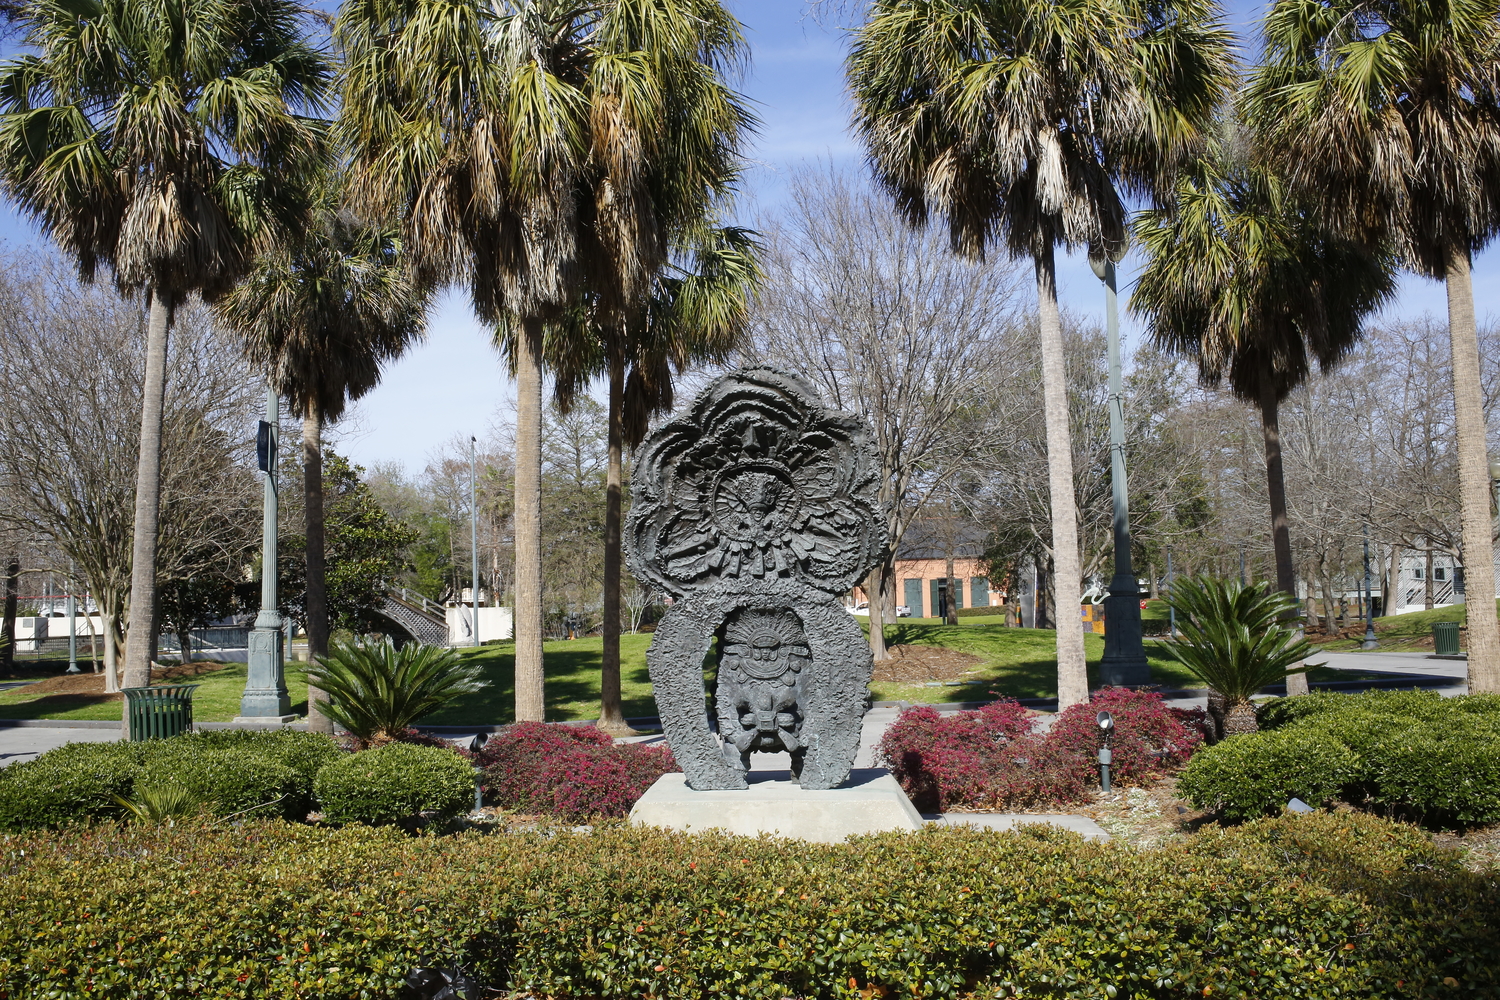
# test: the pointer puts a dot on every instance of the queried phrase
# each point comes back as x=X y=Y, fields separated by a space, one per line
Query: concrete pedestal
x=869 y=801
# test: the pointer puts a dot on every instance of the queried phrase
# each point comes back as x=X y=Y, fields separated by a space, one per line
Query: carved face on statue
x=760 y=673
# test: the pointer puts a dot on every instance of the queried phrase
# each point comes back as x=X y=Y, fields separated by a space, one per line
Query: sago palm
x=322 y=314
x=695 y=313
x=1244 y=280
x=1386 y=115
x=1024 y=124
x=377 y=690
x=536 y=151
x=163 y=140
x=1233 y=640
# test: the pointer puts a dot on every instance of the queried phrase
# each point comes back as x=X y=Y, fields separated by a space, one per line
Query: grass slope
x=216 y=700
x=1411 y=632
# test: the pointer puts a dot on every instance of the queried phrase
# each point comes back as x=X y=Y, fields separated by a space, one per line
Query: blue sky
x=453 y=385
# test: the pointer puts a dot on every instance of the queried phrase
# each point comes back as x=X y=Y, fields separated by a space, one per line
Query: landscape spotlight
x=1107 y=726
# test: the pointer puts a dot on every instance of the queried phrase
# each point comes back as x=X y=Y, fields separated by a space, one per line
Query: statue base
x=869 y=801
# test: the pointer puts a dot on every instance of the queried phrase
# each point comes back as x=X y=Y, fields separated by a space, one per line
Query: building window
x=913 y=594
x=1439 y=573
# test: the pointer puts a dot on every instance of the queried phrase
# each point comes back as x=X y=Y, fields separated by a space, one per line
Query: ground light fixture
x=1106 y=757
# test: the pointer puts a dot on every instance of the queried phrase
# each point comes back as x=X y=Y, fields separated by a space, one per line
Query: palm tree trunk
x=317 y=567
x=1067 y=573
x=139 y=642
x=111 y=652
x=1281 y=537
x=1474 y=482
x=611 y=715
x=1239 y=718
x=530 y=704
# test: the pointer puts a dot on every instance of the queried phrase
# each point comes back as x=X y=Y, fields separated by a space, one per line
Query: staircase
x=420 y=618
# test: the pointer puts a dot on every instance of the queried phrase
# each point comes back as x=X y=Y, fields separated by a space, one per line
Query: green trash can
x=1445 y=638
x=159 y=711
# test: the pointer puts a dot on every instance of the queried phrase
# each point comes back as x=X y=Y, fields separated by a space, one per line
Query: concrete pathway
x=1009 y=821
x=26 y=742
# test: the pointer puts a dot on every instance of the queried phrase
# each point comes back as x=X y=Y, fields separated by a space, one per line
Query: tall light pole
x=1369 y=642
x=265 y=698
x=1124 y=663
x=474 y=535
x=72 y=625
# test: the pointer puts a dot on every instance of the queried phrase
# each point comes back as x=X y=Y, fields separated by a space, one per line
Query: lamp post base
x=265 y=696
x=1124 y=663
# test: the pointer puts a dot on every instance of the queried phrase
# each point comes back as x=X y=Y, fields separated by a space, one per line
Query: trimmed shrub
x=1256 y=774
x=1420 y=755
x=225 y=780
x=572 y=772
x=74 y=782
x=990 y=757
x=394 y=783
x=1316 y=907
x=232 y=769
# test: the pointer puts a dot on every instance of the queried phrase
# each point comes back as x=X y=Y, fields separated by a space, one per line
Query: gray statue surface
x=756 y=510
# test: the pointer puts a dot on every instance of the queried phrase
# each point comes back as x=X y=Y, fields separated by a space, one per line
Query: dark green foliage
x=1416 y=755
x=1322 y=906
x=1231 y=635
x=364 y=546
x=378 y=690
x=75 y=781
x=1256 y=774
x=227 y=781
x=230 y=770
x=394 y=783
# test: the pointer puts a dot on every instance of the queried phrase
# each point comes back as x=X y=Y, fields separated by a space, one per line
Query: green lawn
x=1404 y=633
x=216 y=700
x=1015 y=662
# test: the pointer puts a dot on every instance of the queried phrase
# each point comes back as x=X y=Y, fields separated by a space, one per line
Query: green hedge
x=231 y=770
x=1412 y=754
x=1258 y=773
x=393 y=784
x=1311 y=907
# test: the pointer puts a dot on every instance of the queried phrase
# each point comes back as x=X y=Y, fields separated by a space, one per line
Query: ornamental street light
x=1369 y=642
x=474 y=537
x=1124 y=663
x=265 y=698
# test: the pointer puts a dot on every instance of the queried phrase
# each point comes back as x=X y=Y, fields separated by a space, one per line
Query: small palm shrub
x=1233 y=640
x=162 y=803
x=376 y=690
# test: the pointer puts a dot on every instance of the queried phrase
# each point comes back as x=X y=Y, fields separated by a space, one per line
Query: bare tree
x=889 y=324
x=71 y=358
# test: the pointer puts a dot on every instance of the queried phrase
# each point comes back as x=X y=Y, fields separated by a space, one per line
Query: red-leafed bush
x=991 y=757
x=1150 y=740
x=572 y=772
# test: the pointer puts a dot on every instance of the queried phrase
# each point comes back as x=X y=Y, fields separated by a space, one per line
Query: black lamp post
x=1124 y=662
x=1369 y=642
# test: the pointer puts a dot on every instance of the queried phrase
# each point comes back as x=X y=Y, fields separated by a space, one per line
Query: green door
x=914 y=597
x=979 y=592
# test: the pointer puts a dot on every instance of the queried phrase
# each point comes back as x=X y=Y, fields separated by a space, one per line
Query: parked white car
x=863 y=608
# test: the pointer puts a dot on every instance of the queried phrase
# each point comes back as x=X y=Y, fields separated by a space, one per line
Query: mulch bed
x=918 y=664
x=93 y=684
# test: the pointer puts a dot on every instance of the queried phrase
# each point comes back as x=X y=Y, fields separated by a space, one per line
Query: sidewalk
x=25 y=742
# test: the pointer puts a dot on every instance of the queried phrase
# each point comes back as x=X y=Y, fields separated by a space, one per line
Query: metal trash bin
x=159 y=711
x=1445 y=638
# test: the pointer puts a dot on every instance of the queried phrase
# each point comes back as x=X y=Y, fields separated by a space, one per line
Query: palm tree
x=1385 y=117
x=1240 y=278
x=322 y=315
x=538 y=150
x=164 y=140
x=1022 y=123
x=695 y=314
